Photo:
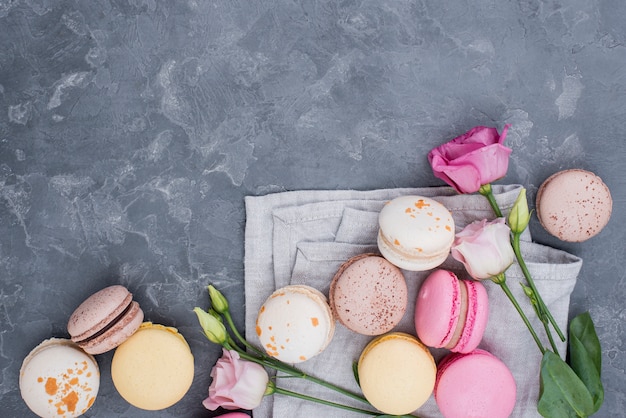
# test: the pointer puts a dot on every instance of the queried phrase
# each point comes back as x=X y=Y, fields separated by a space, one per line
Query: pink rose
x=471 y=160
x=235 y=415
x=484 y=248
x=237 y=384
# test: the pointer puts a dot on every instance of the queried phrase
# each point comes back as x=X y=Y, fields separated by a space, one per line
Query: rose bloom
x=235 y=415
x=471 y=160
x=484 y=248
x=237 y=383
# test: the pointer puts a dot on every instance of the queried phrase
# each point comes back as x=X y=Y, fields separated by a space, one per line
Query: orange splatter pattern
x=65 y=390
x=420 y=204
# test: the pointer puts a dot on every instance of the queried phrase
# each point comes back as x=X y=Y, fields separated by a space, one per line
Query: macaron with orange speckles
x=58 y=379
x=415 y=232
x=295 y=323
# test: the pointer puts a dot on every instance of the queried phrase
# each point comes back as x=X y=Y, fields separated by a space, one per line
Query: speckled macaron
x=58 y=379
x=295 y=323
x=574 y=205
x=368 y=295
x=415 y=232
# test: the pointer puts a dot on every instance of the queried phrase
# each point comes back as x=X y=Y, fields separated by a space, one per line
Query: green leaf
x=355 y=371
x=586 y=356
x=582 y=327
x=563 y=394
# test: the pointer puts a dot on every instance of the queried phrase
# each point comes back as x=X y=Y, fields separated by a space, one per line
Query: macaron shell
x=574 y=205
x=59 y=379
x=396 y=373
x=368 y=295
x=476 y=318
x=437 y=308
x=117 y=334
x=476 y=384
x=154 y=368
x=97 y=311
x=415 y=232
x=295 y=323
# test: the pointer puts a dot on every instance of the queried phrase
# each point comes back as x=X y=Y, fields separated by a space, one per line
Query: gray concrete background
x=130 y=132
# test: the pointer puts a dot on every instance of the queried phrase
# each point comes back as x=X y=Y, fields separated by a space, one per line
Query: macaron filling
x=107 y=327
x=389 y=247
x=459 y=323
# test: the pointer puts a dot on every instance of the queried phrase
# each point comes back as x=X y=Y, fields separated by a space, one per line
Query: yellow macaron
x=154 y=368
x=397 y=373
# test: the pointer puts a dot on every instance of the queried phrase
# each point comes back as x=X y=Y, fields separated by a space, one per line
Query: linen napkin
x=302 y=237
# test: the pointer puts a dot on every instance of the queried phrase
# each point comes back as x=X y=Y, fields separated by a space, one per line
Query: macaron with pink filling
x=368 y=295
x=451 y=313
x=475 y=384
x=105 y=320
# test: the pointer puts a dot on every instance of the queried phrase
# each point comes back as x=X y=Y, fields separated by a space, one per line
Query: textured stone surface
x=130 y=131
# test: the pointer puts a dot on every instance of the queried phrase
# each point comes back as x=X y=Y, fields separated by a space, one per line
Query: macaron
x=153 y=369
x=58 y=379
x=368 y=295
x=475 y=384
x=574 y=205
x=295 y=323
x=105 y=320
x=396 y=373
x=451 y=313
x=415 y=232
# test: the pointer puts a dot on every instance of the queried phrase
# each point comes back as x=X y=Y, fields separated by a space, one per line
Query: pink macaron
x=475 y=384
x=451 y=313
x=368 y=295
x=105 y=320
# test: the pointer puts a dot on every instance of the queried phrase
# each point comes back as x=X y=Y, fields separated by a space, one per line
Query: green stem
x=515 y=242
x=544 y=312
x=231 y=324
x=508 y=293
x=485 y=190
x=554 y=348
x=292 y=371
x=328 y=403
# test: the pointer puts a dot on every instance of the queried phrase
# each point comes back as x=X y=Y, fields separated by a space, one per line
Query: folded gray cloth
x=303 y=237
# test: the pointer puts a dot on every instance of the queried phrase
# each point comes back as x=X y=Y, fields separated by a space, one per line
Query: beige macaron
x=368 y=295
x=574 y=205
x=397 y=373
